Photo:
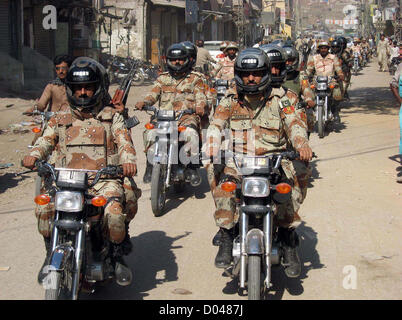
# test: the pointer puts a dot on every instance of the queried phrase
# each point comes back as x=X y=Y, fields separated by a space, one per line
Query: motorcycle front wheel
x=158 y=191
x=320 y=122
x=254 y=287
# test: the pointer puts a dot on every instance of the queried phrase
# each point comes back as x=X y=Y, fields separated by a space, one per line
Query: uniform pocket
x=269 y=130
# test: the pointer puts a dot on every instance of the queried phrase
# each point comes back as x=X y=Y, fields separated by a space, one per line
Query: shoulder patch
x=288 y=110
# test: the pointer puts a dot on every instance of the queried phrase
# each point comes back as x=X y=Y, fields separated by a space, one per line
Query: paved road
x=351 y=230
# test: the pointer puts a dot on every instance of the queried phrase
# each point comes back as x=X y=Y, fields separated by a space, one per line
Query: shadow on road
x=309 y=259
x=175 y=199
x=10 y=180
x=370 y=100
x=152 y=262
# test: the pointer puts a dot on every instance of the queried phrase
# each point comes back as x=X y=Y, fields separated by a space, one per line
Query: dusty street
x=350 y=235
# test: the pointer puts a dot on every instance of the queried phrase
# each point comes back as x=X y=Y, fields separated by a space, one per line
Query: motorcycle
x=118 y=68
x=221 y=86
x=257 y=245
x=80 y=257
x=323 y=86
x=356 y=63
x=364 y=58
x=168 y=169
x=394 y=65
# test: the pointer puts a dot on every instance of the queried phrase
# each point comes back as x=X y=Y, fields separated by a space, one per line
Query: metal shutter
x=5 y=43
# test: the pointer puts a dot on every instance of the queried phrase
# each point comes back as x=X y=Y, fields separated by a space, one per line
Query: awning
x=171 y=3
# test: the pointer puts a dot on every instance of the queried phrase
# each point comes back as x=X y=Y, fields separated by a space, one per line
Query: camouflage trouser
x=119 y=211
x=213 y=174
x=310 y=119
x=190 y=136
x=298 y=174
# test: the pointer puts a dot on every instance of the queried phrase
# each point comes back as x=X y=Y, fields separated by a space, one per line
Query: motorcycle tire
x=320 y=122
x=138 y=79
x=254 y=287
x=158 y=192
x=54 y=282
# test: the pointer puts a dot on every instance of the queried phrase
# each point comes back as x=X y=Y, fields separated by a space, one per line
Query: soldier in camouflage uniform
x=270 y=114
x=344 y=54
x=178 y=89
x=91 y=136
x=326 y=64
x=225 y=70
x=298 y=82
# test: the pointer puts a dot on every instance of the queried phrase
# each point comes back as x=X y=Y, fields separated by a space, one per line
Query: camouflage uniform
x=92 y=144
x=327 y=66
x=179 y=94
x=225 y=69
x=347 y=62
x=301 y=87
x=273 y=127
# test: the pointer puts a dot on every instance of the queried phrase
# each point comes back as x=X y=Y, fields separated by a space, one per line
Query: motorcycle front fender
x=59 y=257
x=255 y=242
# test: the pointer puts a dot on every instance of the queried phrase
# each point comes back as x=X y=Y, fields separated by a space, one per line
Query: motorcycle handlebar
x=43 y=168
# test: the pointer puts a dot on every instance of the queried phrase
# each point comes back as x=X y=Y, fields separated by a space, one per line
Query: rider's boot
x=291 y=260
x=42 y=272
x=224 y=256
x=148 y=173
x=216 y=241
x=122 y=272
x=194 y=175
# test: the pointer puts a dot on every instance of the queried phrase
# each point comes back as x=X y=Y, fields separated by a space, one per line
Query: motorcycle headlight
x=69 y=201
x=321 y=86
x=257 y=187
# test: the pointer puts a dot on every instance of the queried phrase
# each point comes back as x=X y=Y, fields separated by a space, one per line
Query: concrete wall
x=136 y=46
x=12 y=73
x=38 y=69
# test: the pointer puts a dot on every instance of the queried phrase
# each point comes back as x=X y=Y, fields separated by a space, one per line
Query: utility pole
x=239 y=20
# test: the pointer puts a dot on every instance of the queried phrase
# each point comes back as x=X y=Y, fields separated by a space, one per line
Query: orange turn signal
x=42 y=199
x=229 y=186
x=98 y=201
x=283 y=188
x=36 y=130
x=182 y=128
x=213 y=90
x=331 y=86
x=312 y=86
x=149 y=126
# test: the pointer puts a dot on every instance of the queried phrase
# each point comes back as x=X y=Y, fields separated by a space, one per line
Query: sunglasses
x=61 y=68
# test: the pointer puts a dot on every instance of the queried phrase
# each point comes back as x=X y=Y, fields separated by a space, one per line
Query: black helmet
x=85 y=70
x=342 y=41
x=192 y=50
x=177 y=51
x=292 y=58
x=252 y=59
x=336 y=46
x=277 y=56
